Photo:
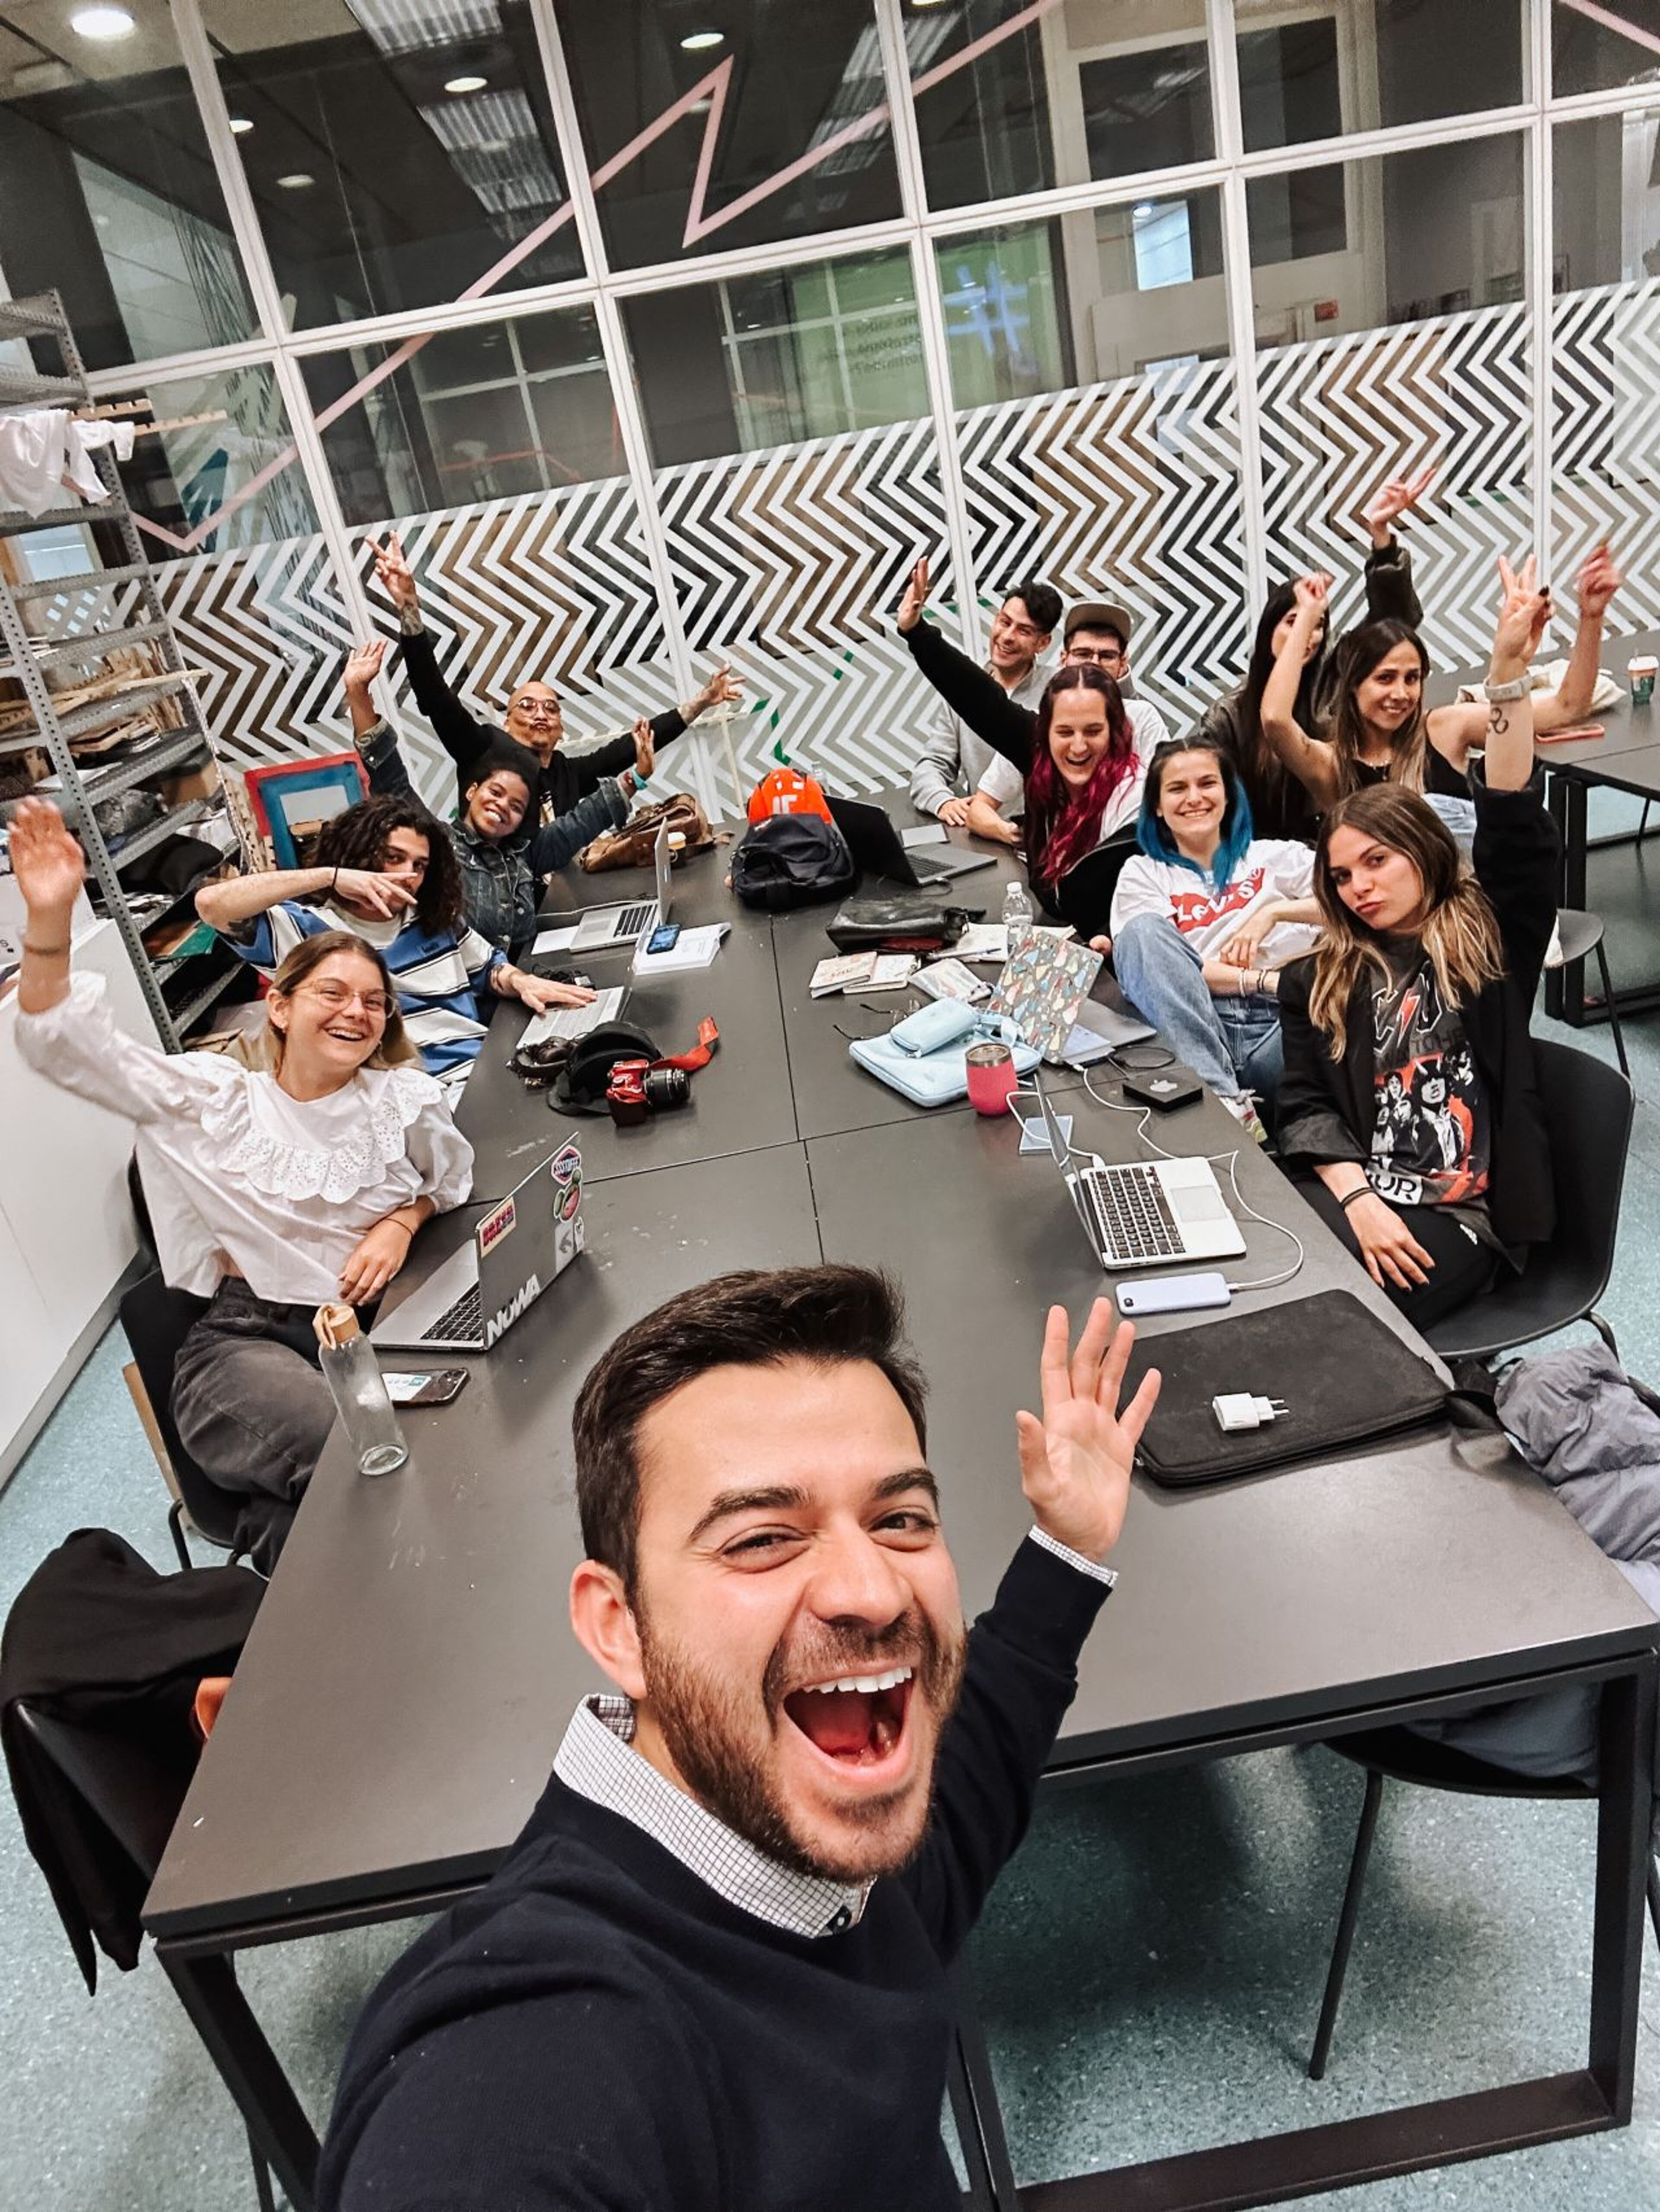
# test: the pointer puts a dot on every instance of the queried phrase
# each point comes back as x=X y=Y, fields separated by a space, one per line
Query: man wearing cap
x=955 y=756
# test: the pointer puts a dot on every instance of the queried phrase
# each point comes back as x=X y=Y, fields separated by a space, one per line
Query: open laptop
x=874 y=844
x=1145 y=1213
x=516 y=1248
x=603 y=928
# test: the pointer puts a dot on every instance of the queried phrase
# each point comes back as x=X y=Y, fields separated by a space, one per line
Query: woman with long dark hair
x=1408 y=1105
x=387 y=871
x=1205 y=914
x=1280 y=805
x=1375 y=728
x=271 y=1190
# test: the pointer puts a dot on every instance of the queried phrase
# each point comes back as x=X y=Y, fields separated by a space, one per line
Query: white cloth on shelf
x=33 y=453
x=238 y=1175
x=42 y=449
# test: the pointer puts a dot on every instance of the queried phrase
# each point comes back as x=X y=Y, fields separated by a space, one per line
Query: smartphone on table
x=663 y=938
x=432 y=1388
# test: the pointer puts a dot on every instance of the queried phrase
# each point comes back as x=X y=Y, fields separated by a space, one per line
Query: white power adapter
x=1235 y=1410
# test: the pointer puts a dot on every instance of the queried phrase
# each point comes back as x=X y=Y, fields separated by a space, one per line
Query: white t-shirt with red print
x=1271 y=868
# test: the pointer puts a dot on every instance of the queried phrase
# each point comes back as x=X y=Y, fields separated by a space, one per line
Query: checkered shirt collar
x=598 y=1760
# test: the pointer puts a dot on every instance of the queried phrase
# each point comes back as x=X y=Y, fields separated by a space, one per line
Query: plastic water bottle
x=1016 y=907
x=367 y=1414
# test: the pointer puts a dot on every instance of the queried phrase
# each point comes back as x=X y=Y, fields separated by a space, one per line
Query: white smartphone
x=1157 y=1294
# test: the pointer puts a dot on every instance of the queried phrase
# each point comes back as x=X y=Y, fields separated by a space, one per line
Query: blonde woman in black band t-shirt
x=1409 y=1102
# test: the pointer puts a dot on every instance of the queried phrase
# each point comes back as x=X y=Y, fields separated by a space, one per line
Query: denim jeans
x=1233 y=1043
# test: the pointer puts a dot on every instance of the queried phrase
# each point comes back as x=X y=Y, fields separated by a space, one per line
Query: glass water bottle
x=367 y=1414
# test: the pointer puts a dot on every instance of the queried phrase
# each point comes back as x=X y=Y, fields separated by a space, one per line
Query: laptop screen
x=1057 y=1138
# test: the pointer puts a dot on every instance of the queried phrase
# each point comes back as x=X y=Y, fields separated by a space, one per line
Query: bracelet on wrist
x=394 y=1222
x=1499 y=695
x=45 y=951
x=1364 y=1191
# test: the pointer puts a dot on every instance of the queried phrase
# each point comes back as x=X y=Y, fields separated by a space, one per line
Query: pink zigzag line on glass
x=698 y=225
x=1610 y=22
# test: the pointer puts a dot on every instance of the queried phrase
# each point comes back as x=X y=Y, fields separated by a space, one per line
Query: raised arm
x=558 y=842
x=64 y=1031
x=461 y=733
x=1570 y=701
x=1313 y=764
x=1390 y=592
x=966 y=689
x=1509 y=738
x=240 y=898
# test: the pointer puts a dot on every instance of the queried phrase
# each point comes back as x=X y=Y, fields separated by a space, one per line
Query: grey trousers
x=249 y=1399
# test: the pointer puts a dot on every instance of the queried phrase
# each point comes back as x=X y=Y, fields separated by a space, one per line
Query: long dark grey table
x=413 y=1660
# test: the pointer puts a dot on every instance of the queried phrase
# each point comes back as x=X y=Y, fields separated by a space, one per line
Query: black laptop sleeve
x=1344 y=1376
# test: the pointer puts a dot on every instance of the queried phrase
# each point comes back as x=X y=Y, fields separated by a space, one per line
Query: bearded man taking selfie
x=712 y=1974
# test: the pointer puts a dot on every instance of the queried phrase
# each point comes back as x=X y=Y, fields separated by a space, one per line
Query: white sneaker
x=1242 y=1106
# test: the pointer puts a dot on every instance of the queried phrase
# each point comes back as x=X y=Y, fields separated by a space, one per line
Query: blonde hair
x=1356 y=656
x=394 y=1048
x=1459 y=931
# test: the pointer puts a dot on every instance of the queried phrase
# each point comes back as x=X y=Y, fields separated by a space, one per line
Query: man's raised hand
x=1075 y=1462
x=915 y=599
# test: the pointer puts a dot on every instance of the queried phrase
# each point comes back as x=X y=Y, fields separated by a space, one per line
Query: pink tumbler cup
x=991 y=1078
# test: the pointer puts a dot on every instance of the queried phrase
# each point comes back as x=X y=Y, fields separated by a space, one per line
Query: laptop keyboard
x=461 y=1323
x=1132 y=1216
x=628 y=921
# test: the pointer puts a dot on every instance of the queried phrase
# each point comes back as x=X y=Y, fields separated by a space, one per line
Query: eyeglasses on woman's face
x=337 y=996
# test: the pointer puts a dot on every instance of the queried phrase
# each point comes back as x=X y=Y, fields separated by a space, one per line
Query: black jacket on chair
x=97 y=1639
x=1325 y=1109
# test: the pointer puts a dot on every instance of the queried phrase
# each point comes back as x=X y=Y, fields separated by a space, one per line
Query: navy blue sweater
x=597 y=2031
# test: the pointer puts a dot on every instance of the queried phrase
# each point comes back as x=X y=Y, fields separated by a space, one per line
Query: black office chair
x=122 y=1788
x=1397 y=1755
x=1588 y=1118
x=1579 y=933
x=157 y=1319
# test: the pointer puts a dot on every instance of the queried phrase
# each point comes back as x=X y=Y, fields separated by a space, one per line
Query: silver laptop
x=604 y=927
x=1147 y=1213
x=515 y=1251
x=569 y=1023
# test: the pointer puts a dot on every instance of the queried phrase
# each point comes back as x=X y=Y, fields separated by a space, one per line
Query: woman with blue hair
x=1204 y=916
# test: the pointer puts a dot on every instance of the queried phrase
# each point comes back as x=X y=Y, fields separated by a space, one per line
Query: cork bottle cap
x=336 y=1325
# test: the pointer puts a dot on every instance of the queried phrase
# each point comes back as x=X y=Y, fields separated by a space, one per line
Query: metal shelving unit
x=178 y=992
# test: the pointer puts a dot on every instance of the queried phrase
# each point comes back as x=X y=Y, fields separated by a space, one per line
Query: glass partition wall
x=677 y=331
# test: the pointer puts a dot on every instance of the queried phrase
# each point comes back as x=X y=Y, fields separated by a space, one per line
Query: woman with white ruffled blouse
x=270 y=1192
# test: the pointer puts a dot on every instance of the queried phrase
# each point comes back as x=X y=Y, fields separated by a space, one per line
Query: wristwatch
x=1498 y=694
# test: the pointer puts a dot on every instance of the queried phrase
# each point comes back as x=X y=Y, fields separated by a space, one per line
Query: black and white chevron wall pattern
x=1127 y=491
x=1605 y=442
x=1341 y=415
x=267 y=627
x=791 y=564
x=552 y=585
x=791 y=561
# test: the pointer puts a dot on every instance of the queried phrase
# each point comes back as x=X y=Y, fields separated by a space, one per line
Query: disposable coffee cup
x=1640 y=673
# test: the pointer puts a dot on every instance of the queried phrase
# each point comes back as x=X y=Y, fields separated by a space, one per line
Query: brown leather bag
x=630 y=846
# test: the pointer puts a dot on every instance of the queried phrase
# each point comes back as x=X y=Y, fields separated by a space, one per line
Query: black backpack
x=791 y=859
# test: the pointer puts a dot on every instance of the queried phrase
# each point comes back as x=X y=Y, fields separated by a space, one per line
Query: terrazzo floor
x=1150 y=1966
